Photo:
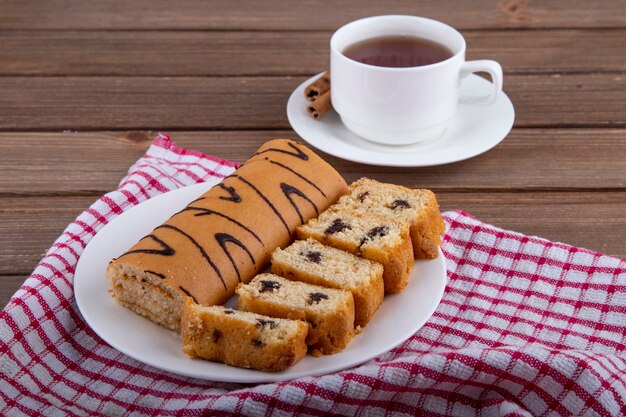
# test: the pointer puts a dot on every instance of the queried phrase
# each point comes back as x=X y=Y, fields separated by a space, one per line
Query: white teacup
x=398 y=106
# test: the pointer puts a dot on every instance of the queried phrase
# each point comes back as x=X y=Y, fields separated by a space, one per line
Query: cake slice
x=311 y=262
x=417 y=208
x=329 y=312
x=242 y=339
x=373 y=237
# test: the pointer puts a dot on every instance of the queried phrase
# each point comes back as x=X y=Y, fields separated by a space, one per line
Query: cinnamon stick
x=318 y=87
x=318 y=107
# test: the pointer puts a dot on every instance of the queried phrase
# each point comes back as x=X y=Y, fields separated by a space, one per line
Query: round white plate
x=475 y=130
x=399 y=316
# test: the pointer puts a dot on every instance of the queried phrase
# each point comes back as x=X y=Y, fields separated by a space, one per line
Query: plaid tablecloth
x=525 y=327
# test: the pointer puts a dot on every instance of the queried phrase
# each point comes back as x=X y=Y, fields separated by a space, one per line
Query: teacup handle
x=483 y=65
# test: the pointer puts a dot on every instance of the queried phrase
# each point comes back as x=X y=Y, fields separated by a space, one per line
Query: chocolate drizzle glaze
x=298 y=152
x=166 y=251
x=288 y=190
x=180 y=287
x=202 y=251
x=196 y=200
x=268 y=202
x=234 y=197
x=155 y=273
x=308 y=181
x=207 y=212
x=223 y=239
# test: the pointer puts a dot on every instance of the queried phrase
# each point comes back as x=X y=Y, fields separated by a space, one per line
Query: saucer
x=474 y=130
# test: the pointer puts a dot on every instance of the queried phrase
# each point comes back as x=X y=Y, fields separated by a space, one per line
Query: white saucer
x=475 y=130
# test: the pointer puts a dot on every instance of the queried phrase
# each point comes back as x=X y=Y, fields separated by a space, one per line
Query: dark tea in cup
x=398 y=52
x=396 y=79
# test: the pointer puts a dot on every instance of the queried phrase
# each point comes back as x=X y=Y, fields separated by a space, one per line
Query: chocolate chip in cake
x=337 y=226
x=313 y=256
x=216 y=335
x=316 y=297
x=378 y=231
x=268 y=285
x=229 y=312
x=400 y=204
x=257 y=343
x=262 y=323
x=361 y=197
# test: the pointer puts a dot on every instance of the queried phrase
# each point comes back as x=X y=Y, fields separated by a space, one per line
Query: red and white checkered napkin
x=526 y=327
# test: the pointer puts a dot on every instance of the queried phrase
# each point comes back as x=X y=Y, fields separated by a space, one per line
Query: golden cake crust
x=227 y=235
x=355 y=227
x=330 y=316
x=416 y=207
x=209 y=333
x=311 y=262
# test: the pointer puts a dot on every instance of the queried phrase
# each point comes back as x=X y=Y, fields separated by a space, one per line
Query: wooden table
x=83 y=85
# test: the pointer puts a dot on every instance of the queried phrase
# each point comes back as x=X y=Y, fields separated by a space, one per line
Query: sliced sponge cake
x=311 y=262
x=373 y=237
x=242 y=339
x=417 y=208
x=329 y=312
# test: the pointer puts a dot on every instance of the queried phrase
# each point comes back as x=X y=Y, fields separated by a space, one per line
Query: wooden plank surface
x=310 y=15
x=528 y=159
x=120 y=103
x=218 y=75
x=8 y=285
x=273 y=53
x=28 y=225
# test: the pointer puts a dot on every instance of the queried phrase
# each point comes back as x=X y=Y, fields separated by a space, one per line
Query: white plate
x=475 y=130
x=398 y=318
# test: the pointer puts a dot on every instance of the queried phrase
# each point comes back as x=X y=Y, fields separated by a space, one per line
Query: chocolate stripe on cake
x=288 y=190
x=155 y=273
x=268 y=202
x=298 y=152
x=202 y=251
x=223 y=239
x=166 y=251
x=298 y=175
x=207 y=212
x=183 y=289
x=197 y=199
x=234 y=197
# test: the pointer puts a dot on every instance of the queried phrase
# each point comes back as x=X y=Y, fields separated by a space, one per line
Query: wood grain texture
x=318 y=15
x=120 y=103
x=528 y=159
x=8 y=285
x=275 y=53
x=29 y=225
x=217 y=75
